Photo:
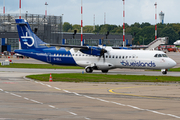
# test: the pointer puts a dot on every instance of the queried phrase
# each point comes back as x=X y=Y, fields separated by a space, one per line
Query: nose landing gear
x=164 y=71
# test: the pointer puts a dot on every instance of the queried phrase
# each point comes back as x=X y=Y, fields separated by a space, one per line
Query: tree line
x=142 y=33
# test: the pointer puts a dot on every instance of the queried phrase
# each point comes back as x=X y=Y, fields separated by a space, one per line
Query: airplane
x=177 y=42
x=91 y=58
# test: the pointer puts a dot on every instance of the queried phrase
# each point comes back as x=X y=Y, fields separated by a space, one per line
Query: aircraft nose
x=172 y=63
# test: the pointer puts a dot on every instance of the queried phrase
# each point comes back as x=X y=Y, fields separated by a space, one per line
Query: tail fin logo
x=25 y=40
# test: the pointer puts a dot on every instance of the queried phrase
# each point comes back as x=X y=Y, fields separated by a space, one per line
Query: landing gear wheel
x=89 y=70
x=164 y=72
x=104 y=71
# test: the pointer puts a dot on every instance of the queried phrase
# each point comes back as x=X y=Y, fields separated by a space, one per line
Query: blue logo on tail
x=25 y=40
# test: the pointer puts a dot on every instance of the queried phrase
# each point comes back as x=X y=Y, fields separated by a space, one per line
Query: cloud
x=136 y=10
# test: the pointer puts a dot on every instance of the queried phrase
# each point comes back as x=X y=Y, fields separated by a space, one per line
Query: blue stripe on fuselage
x=49 y=55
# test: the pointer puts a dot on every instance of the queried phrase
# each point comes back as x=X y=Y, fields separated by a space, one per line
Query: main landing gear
x=104 y=71
x=90 y=70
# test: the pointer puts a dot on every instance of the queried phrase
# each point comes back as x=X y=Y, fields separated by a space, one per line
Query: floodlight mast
x=155 y=21
x=123 y=23
x=46 y=9
x=81 y=23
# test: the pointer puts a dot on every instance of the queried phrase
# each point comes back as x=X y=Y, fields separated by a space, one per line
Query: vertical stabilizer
x=27 y=38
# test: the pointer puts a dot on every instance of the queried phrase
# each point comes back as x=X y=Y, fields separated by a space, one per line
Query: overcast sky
x=136 y=10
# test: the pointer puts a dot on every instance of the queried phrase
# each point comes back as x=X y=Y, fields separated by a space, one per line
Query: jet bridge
x=157 y=42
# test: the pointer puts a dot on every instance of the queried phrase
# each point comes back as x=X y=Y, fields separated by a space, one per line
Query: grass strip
x=78 y=77
x=172 y=70
x=39 y=66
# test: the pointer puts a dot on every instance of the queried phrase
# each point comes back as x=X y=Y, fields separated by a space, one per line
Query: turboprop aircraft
x=90 y=57
x=177 y=42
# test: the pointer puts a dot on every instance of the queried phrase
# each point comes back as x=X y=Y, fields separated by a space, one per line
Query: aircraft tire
x=104 y=71
x=164 y=72
x=89 y=70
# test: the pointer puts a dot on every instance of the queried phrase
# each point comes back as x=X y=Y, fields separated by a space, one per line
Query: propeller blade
x=103 y=51
x=103 y=57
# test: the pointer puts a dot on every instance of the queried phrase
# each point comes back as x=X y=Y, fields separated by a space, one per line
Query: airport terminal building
x=49 y=29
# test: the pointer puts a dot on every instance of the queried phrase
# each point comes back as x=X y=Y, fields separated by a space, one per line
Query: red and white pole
x=19 y=18
x=46 y=9
x=19 y=9
x=94 y=23
x=123 y=23
x=155 y=21
x=4 y=7
x=81 y=24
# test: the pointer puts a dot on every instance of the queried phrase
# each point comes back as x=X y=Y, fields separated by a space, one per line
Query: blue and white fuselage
x=90 y=57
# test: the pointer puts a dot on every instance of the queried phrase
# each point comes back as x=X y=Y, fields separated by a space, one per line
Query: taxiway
x=22 y=98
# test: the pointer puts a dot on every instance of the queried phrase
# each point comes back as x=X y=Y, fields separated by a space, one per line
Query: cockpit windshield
x=160 y=55
x=164 y=55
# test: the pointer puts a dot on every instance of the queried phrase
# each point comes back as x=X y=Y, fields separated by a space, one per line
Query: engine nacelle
x=92 y=50
x=103 y=66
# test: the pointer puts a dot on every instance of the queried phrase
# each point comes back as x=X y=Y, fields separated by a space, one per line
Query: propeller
x=102 y=52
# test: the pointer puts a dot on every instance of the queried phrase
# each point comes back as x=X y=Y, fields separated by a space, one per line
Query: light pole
x=62 y=26
x=123 y=23
x=19 y=9
x=46 y=9
x=4 y=7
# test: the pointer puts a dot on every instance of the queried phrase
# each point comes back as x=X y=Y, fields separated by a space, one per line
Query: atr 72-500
x=90 y=57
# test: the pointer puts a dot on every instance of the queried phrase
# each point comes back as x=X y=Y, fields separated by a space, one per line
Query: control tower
x=161 y=17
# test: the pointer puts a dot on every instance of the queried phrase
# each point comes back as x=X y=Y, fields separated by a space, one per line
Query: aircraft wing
x=67 y=47
x=70 y=46
x=91 y=50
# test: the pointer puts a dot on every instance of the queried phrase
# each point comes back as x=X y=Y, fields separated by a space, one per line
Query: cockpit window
x=164 y=55
x=160 y=55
